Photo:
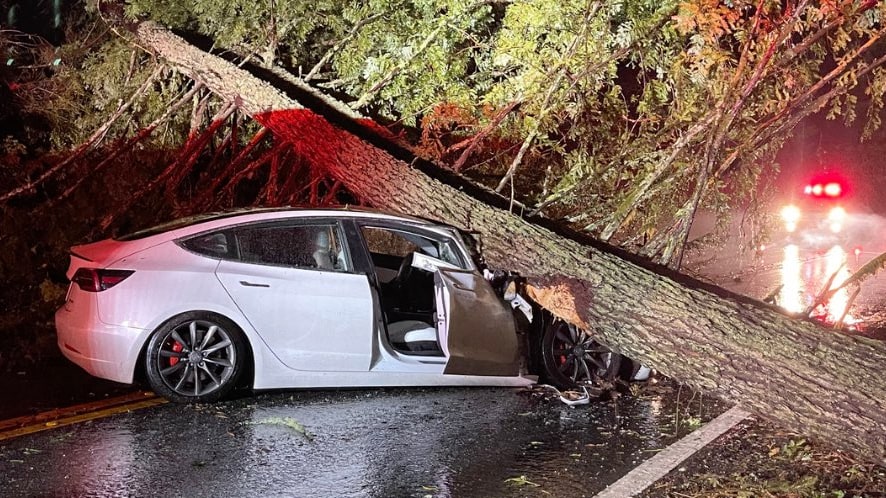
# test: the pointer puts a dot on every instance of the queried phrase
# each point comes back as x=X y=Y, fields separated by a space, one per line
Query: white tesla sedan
x=290 y=298
x=296 y=298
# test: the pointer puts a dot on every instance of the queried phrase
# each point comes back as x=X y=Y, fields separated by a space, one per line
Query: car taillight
x=95 y=280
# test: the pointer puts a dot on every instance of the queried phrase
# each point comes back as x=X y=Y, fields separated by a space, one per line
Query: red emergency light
x=830 y=189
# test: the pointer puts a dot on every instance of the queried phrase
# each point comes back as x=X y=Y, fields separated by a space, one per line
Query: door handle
x=244 y=283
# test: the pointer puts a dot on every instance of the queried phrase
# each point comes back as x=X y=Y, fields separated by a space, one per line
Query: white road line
x=637 y=480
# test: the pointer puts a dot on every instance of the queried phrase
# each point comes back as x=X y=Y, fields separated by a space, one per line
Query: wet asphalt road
x=362 y=443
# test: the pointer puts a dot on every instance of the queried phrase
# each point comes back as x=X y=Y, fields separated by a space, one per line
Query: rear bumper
x=105 y=351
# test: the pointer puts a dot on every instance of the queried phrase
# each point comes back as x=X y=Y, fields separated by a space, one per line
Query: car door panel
x=476 y=330
x=311 y=319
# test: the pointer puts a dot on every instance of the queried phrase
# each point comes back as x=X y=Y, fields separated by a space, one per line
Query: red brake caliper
x=562 y=357
x=177 y=347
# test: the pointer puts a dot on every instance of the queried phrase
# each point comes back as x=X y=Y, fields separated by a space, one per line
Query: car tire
x=195 y=357
x=570 y=357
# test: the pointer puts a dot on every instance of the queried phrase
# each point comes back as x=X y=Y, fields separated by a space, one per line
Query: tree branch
x=187 y=155
x=838 y=71
x=90 y=142
x=233 y=166
x=404 y=63
x=641 y=192
x=387 y=78
x=724 y=121
x=591 y=68
x=193 y=148
x=141 y=135
x=341 y=43
x=474 y=141
x=561 y=70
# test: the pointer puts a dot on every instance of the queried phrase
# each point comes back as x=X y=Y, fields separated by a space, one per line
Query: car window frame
x=466 y=263
x=234 y=253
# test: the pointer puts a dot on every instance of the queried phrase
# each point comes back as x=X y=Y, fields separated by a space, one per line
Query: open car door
x=475 y=327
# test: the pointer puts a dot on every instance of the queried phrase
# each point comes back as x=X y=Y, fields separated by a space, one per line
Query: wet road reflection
x=793 y=269
x=793 y=275
x=384 y=443
x=791 y=292
x=804 y=279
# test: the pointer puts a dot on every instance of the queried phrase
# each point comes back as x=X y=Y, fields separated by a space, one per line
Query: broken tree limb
x=474 y=142
x=250 y=169
x=355 y=30
x=93 y=139
x=188 y=155
x=193 y=149
x=130 y=142
x=793 y=371
x=558 y=74
x=233 y=166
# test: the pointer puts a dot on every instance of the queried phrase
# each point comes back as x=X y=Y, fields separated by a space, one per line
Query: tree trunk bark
x=807 y=378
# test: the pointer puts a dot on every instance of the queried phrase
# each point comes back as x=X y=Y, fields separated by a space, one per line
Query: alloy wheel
x=196 y=358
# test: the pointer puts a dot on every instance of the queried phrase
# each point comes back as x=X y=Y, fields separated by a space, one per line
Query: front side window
x=400 y=243
x=314 y=246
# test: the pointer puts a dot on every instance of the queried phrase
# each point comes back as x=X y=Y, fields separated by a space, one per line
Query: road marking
x=61 y=417
x=637 y=480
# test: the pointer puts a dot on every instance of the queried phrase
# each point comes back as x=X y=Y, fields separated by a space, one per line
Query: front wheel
x=195 y=358
x=572 y=357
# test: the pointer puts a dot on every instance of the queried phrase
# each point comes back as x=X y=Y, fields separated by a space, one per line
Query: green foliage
x=796 y=449
x=418 y=57
x=73 y=88
x=636 y=113
x=289 y=30
x=629 y=105
x=92 y=85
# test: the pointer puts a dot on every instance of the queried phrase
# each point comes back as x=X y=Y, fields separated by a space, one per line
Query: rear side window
x=214 y=245
x=314 y=246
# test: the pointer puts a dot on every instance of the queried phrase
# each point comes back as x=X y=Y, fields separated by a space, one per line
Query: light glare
x=833 y=189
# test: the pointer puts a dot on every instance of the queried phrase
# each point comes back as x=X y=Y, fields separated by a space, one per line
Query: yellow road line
x=67 y=411
x=52 y=419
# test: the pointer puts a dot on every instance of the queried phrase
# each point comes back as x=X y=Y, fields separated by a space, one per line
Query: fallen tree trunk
x=807 y=378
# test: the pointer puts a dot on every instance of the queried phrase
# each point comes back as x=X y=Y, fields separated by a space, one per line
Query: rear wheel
x=571 y=357
x=195 y=357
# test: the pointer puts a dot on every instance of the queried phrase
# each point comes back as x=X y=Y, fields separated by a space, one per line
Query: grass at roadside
x=757 y=459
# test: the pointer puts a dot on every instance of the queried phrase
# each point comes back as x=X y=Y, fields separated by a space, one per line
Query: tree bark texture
x=805 y=377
